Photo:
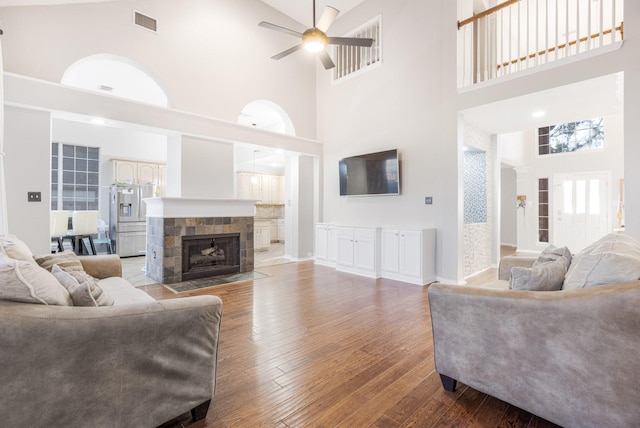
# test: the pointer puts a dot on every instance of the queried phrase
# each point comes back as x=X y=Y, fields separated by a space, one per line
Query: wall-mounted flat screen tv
x=370 y=174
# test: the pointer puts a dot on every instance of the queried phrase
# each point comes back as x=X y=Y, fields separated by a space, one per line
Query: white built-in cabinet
x=133 y=172
x=326 y=244
x=265 y=188
x=261 y=235
x=406 y=255
x=358 y=250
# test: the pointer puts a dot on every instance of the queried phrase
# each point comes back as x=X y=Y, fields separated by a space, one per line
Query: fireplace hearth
x=210 y=255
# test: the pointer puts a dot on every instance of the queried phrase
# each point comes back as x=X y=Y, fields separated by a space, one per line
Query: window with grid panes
x=543 y=210
x=75 y=177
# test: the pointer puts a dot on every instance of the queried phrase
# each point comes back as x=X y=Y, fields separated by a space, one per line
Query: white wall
x=211 y=56
x=27 y=136
x=207 y=169
x=405 y=104
x=508 y=225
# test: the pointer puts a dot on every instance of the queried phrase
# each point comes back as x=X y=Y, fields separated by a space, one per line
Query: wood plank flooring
x=310 y=346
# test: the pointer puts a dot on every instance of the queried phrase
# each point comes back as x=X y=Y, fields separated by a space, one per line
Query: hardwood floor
x=310 y=346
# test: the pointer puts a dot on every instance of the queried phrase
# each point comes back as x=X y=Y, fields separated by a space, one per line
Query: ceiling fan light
x=314 y=40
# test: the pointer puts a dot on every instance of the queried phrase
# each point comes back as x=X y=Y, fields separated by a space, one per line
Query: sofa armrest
x=508 y=262
x=131 y=365
x=102 y=266
x=571 y=356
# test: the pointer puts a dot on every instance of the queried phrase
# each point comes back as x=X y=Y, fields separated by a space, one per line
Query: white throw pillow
x=27 y=282
x=14 y=248
x=548 y=276
x=612 y=259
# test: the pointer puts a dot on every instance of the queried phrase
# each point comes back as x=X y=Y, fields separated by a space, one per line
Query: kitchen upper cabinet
x=264 y=188
x=133 y=172
x=148 y=173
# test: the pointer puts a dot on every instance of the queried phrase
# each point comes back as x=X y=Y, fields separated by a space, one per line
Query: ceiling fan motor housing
x=314 y=40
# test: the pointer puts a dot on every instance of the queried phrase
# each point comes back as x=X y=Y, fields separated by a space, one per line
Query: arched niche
x=117 y=76
x=267 y=115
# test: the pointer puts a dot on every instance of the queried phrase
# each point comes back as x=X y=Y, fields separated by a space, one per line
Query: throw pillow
x=85 y=293
x=14 y=248
x=552 y=253
x=27 y=282
x=67 y=259
x=543 y=277
x=612 y=259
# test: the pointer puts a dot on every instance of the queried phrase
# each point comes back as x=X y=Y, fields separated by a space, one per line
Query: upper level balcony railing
x=518 y=35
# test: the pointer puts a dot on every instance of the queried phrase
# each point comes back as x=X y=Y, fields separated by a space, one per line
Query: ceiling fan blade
x=351 y=41
x=326 y=19
x=279 y=28
x=326 y=60
x=287 y=52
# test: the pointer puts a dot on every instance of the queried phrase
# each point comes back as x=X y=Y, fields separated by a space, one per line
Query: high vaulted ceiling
x=300 y=10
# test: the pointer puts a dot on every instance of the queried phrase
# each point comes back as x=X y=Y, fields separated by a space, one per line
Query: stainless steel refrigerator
x=127 y=218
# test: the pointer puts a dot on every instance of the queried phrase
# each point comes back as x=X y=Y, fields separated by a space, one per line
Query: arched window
x=266 y=115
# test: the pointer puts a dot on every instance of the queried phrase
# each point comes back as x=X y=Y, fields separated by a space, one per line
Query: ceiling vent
x=145 y=21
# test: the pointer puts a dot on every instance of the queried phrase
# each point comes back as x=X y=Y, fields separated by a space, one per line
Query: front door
x=581 y=209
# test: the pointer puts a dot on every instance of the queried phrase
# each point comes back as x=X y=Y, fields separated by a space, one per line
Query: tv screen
x=370 y=174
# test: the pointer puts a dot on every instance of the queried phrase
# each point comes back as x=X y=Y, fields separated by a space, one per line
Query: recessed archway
x=117 y=76
x=267 y=115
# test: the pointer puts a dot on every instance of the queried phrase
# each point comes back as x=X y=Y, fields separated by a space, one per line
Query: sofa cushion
x=23 y=281
x=613 y=258
x=83 y=288
x=547 y=276
x=552 y=253
x=123 y=292
x=67 y=259
x=14 y=248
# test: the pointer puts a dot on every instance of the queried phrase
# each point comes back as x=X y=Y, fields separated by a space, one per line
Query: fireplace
x=210 y=255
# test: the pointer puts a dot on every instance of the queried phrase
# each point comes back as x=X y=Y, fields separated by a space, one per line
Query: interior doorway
x=581 y=212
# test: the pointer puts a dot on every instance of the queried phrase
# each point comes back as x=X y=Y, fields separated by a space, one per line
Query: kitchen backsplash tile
x=269 y=211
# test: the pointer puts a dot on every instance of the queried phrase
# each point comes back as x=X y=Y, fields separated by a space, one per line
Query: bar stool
x=84 y=226
x=59 y=226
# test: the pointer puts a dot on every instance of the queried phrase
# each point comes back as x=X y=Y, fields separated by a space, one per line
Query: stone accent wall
x=164 y=242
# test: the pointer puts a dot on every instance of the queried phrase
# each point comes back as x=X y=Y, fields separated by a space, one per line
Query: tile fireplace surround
x=170 y=219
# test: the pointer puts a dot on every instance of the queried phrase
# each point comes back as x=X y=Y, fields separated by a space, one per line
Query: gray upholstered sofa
x=138 y=363
x=570 y=356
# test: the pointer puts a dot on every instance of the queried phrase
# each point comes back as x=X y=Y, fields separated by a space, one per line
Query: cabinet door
x=256 y=187
x=265 y=189
x=332 y=244
x=161 y=185
x=389 y=257
x=365 y=254
x=244 y=185
x=411 y=253
x=275 y=189
x=147 y=173
x=345 y=246
x=322 y=242
x=124 y=172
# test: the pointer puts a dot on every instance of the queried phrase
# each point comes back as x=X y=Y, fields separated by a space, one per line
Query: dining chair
x=59 y=226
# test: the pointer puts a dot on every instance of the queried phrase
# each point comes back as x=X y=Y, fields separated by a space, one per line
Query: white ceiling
x=300 y=10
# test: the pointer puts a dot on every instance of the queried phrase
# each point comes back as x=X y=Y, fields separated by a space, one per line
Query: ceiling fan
x=315 y=39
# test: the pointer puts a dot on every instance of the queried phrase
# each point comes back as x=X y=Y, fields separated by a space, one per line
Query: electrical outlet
x=34 y=196
x=428 y=200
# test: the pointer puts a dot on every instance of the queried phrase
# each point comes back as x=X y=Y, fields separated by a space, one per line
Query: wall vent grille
x=145 y=21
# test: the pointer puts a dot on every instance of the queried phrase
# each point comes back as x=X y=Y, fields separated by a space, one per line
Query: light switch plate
x=428 y=200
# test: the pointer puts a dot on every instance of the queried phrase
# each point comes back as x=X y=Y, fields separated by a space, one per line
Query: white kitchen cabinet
x=261 y=235
x=147 y=173
x=124 y=171
x=358 y=250
x=249 y=186
x=161 y=187
x=326 y=244
x=408 y=255
x=265 y=188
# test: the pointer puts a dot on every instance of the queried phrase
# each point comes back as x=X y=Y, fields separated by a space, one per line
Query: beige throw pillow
x=66 y=259
x=548 y=276
x=83 y=293
x=27 y=282
x=552 y=253
x=14 y=248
